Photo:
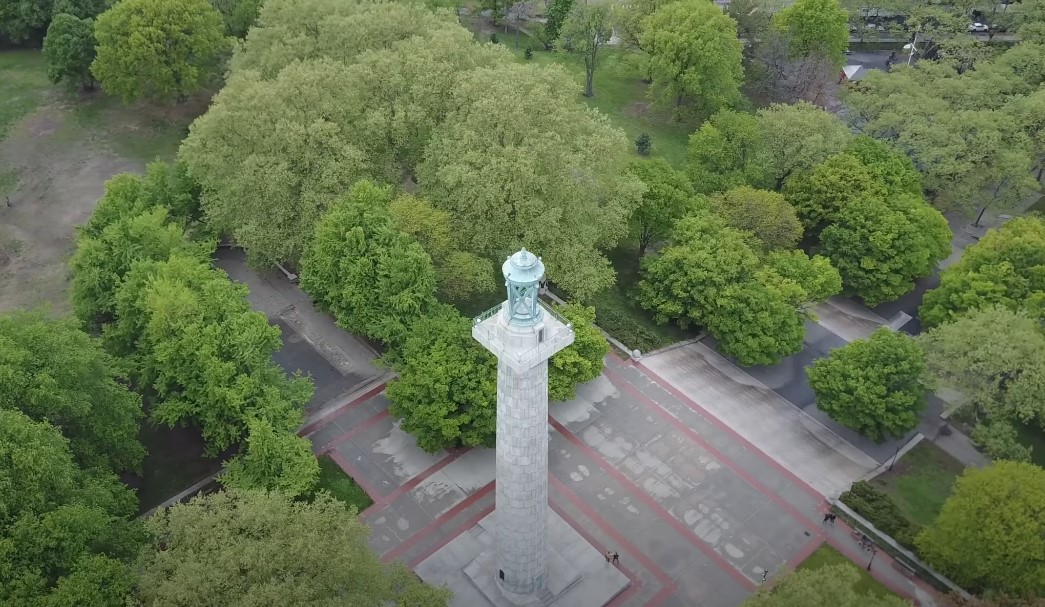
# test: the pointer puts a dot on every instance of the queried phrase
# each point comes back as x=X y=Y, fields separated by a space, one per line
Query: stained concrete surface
x=802 y=444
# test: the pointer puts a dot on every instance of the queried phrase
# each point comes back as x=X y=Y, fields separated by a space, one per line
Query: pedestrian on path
x=616 y=559
x=609 y=555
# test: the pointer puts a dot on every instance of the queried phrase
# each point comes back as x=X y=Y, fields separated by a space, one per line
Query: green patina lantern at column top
x=523 y=272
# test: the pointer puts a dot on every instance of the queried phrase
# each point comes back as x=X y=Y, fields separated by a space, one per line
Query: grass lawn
x=620 y=93
x=23 y=85
x=143 y=131
x=333 y=479
x=920 y=482
x=826 y=556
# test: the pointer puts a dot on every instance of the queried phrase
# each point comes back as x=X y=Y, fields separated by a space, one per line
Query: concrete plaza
x=697 y=513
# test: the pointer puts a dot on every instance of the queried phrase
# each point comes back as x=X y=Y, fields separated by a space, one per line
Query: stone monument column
x=523 y=334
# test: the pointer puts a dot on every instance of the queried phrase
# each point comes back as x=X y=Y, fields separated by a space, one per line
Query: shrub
x=881 y=511
x=494 y=38
x=643 y=144
x=618 y=322
x=528 y=53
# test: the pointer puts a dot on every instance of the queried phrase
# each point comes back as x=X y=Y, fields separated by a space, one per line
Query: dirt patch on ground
x=637 y=109
x=58 y=183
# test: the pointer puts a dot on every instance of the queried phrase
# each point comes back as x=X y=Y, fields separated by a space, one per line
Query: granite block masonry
x=523 y=334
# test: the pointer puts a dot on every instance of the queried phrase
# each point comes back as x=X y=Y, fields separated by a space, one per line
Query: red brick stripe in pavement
x=668 y=585
x=328 y=416
x=653 y=505
x=364 y=425
x=465 y=526
x=736 y=468
x=428 y=529
x=663 y=383
x=380 y=504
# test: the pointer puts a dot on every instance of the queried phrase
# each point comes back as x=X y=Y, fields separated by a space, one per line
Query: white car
x=978 y=27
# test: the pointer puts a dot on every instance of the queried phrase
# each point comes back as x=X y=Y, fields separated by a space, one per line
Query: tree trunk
x=976 y=223
x=589 y=83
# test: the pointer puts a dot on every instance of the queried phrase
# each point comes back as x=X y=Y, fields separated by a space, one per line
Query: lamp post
x=895 y=455
x=874 y=551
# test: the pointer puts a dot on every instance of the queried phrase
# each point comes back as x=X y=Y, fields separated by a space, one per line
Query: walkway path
x=695 y=511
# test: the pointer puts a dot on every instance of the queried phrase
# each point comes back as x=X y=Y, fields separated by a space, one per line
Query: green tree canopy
x=816 y=27
x=63 y=529
x=795 y=138
x=694 y=53
x=160 y=49
x=200 y=352
x=69 y=50
x=997 y=510
x=21 y=19
x=1006 y=267
x=375 y=279
x=581 y=361
x=274 y=460
x=518 y=163
x=236 y=549
x=996 y=358
x=446 y=392
x=834 y=585
x=299 y=30
x=875 y=386
x=711 y=277
x=880 y=250
x=763 y=213
x=460 y=274
x=724 y=152
x=238 y=15
x=102 y=260
x=51 y=371
x=268 y=186
x=668 y=198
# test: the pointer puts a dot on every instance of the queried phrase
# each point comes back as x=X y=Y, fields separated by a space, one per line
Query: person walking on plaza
x=616 y=559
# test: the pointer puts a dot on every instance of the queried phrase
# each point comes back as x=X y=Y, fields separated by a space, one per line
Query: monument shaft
x=522 y=477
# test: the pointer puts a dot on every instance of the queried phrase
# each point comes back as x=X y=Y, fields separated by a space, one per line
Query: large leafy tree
x=375 y=279
x=997 y=510
x=1006 y=267
x=460 y=274
x=996 y=358
x=273 y=460
x=725 y=152
x=297 y=30
x=834 y=585
x=971 y=154
x=765 y=214
x=200 y=352
x=581 y=361
x=865 y=208
x=21 y=19
x=587 y=29
x=102 y=259
x=235 y=549
x=694 y=54
x=880 y=251
x=668 y=198
x=69 y=50
x=268 y=186
x=711 y=277
x=517 y=163
x=815 y=27
x=875 y=386
x=51 y=371
x=160 y=49
x=446 y=392
x=796 y=138
x=64 y=533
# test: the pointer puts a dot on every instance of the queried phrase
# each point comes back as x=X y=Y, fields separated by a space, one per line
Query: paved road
x=696 y=512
